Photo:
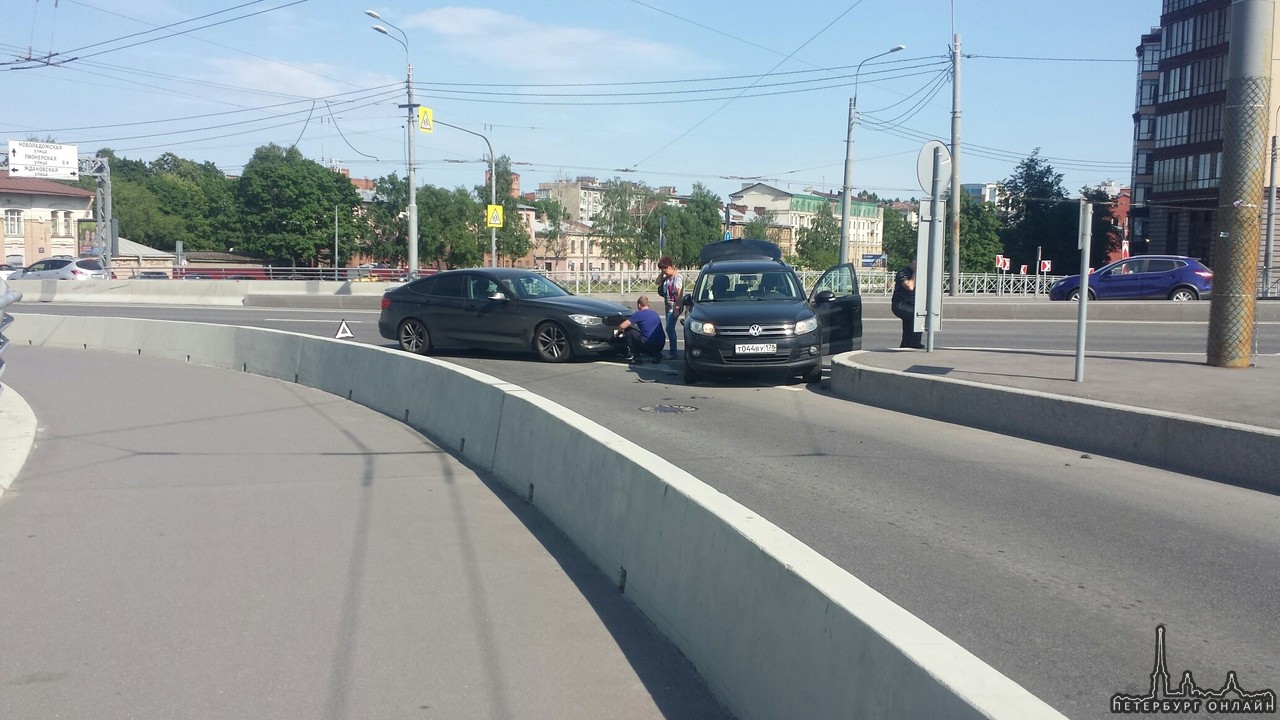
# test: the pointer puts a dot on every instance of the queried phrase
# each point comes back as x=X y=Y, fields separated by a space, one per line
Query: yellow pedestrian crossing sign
x=425 y=119
x=493 y=215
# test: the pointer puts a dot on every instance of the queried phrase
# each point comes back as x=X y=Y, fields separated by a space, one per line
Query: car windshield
x=746 y=287
x=533 y=285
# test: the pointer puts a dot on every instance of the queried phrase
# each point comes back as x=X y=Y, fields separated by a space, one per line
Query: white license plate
x=756 y=349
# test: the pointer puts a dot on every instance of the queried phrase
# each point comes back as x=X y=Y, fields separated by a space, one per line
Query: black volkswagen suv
x=749 y=312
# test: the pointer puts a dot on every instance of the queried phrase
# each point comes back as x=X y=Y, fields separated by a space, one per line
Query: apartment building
x=41 y=218
x=1178 y=128
x=797 y=211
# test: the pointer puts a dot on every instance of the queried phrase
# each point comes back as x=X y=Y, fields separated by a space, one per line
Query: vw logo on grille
x=755 y=330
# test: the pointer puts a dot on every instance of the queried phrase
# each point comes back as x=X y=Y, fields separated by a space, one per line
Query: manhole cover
x=669 y=408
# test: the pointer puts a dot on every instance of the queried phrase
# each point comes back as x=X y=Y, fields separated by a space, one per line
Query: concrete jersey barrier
x=775 y=629
x=1218 y=450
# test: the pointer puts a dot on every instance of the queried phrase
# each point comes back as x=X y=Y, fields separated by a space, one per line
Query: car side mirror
x=825 y=296
x=687 y=301
x=497 y=296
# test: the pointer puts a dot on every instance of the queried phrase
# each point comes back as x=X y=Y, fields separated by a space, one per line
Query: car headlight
x=702 y=328
x=807 y=325
x=1056 y=284
x=587 y=319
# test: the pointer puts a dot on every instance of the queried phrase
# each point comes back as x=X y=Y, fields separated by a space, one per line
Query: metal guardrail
x=7 y=298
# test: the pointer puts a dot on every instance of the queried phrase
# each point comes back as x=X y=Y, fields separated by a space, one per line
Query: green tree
x=899 y=239
x=386 y=222
x=1037 y=214
x=288 y=204
x=617 y=224
x=704 y=223
x=671 y=224
x=819 y=244
x=513 y=237
x=979 y=236
x=555 y=236
x=761 y=227
x=451 y=224
x=1106 y=232
x=142 y=217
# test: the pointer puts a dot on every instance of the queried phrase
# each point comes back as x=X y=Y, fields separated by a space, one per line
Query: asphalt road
x=1053 y=567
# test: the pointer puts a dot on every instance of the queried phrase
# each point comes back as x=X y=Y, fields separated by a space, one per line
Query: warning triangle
x=343 y=332
x=495 y=218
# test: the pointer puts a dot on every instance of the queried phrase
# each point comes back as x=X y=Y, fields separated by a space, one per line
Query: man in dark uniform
x=904 y=305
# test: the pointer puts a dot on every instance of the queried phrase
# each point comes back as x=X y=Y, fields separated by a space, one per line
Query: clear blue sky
x=675 y=92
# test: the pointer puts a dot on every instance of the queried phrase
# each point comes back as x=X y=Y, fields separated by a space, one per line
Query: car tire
x=551 y=343
x=691 y=376
x=413 y=336
x=1074 y=295
x=813 y=374
x=1183 y=294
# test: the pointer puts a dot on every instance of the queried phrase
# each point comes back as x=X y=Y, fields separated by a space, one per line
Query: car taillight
x=77 y=272
x=1206 y=274
x=386 y=302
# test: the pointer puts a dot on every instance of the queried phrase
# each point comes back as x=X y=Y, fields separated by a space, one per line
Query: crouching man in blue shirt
x=643 y=331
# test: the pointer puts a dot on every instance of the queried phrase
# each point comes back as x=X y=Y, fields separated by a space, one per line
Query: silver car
x=62 y=268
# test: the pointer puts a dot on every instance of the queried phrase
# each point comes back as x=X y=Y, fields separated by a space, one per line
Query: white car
x=62 y=268
x=6 y=270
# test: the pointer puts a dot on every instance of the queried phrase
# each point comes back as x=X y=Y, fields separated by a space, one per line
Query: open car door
x=837 y=301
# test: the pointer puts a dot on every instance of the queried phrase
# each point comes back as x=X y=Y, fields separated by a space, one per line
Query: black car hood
x=750 y=312
x=580 y=304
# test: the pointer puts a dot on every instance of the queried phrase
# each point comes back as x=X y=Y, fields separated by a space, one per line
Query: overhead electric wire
x=172 y=35
x=730 y=100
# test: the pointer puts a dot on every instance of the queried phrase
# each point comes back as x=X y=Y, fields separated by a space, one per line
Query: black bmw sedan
x=499 y=309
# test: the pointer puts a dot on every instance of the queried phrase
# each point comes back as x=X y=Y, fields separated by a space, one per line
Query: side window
x=482 y=287
x=453 y=286
x=839 y=280
x=423 y=286
x=1155 y=265
x=55 y=264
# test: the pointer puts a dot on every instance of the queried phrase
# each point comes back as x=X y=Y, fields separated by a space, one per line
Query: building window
x=66 y=223
x=1151 y=57
x=1146 y=127
x=13 y=222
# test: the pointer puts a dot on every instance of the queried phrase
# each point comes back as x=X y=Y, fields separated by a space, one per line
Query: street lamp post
x=493 y=189
x=410 y=138
x=848 y=158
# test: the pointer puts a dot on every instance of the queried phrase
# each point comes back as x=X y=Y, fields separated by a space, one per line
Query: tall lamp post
x=493 y=190
x=410 y=138
x=848 y=158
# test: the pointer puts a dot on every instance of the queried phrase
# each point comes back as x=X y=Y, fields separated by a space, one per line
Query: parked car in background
x=6 y=270
x=499 y=309
x=152 y=275
x=62 y=268
x=1145 y=277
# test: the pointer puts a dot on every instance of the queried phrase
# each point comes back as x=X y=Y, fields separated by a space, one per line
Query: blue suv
x=1145 y=277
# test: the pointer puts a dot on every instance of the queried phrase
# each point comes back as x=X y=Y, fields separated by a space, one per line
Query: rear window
x=89 y=264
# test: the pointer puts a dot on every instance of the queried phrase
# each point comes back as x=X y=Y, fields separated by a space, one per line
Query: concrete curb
x=17 y=435
x=1217 y=450
x=775 y=629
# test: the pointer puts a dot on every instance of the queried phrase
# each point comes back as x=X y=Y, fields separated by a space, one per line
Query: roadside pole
x=1086 y=237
